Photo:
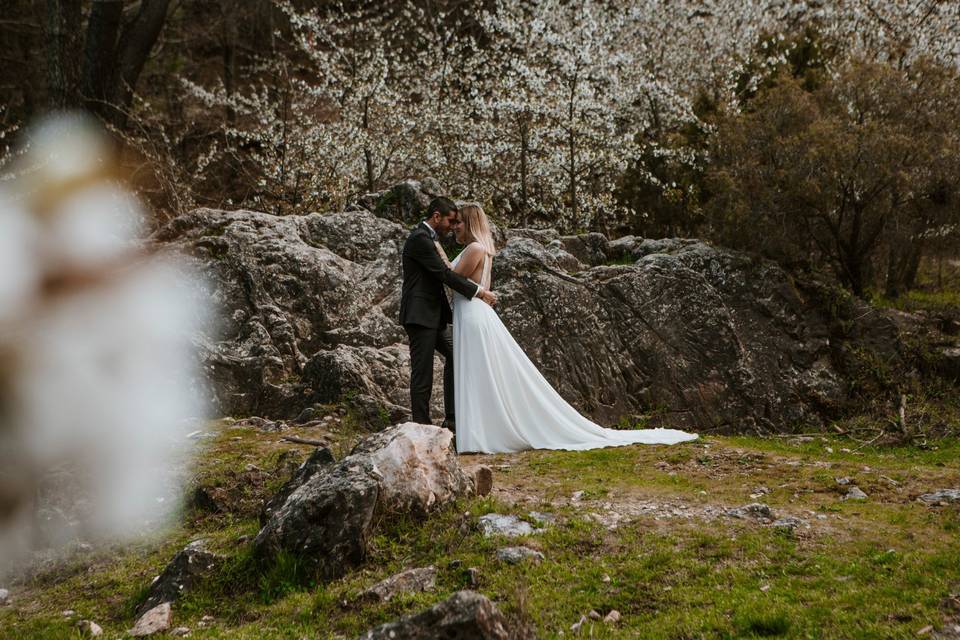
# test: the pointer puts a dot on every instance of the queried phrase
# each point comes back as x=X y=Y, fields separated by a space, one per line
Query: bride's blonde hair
x=477 y=227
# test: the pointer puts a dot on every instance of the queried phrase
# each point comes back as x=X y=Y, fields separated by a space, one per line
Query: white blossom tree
x=539 y=106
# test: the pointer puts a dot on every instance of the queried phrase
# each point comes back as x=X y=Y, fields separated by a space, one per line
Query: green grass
x=919 y=300
x=876 y=569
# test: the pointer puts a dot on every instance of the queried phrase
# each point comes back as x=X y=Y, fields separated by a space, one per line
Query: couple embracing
x=503 y=403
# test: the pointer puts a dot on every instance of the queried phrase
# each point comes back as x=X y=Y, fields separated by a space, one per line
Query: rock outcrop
x=710 y=338
x=326 y=520
x=466 y=615
x=154 y=621
x=676 y=332
x=320 y=459
x=409 y=581
x=307 y=308
x=185 y=570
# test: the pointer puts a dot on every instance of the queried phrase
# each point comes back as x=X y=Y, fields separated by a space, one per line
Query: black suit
x=426 y=315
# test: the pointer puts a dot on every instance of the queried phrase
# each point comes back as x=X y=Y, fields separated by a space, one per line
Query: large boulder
x=320 y=459
x=417 y=467
x=407 y=469
x=187 y=568
x=710 y=339
x=675 y=331
x=405 y=202
x=466 y=615
x=297 y=295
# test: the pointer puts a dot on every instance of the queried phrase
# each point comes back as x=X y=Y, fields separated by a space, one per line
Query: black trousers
x=423 y=342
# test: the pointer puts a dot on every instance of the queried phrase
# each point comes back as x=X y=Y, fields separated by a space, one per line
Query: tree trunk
x=99 y=54
x=113 y=59
x=63 y=47
x=571 y=141
x=894 y=273
x=367 y=154
x=134 y=47
x=228 y=12
x=524 y=153
x=913 y=265
x=263 y=28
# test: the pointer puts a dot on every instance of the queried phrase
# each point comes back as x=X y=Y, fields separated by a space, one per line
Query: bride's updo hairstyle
x=476 y=226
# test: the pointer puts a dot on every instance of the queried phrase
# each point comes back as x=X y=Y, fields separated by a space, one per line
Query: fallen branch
x=869 y=442
x=296 y=440
x=797 y=435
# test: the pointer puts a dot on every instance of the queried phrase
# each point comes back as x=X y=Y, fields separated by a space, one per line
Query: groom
x=424 y=310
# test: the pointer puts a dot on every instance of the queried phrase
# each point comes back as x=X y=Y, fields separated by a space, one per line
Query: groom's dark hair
x=444 y=206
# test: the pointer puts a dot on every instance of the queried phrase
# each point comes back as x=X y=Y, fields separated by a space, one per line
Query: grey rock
x=516 y=555
x=187 y=568
x=949 y=362
x=466 y=615
x=261 y=424
x=752 y=511
x=576 y=626
x=180 y=632
x=505 y=525
x=372 y=377
x=326 y=520
x=623 y=249
x=483 y=480
x=613 y=617
x=854 y=493
x=943 y=496
x=589 y=248
x=721 y=340
x=285 y=288
x=320 y=459
x=542 y=236
x=788 y=523
x=714 y=336
x=473 y=576
x=543 y=518
x=89 y=629
x=153 y=621
x=307 y=415
x=4 y=597
x=288 y=463
x=409 y=581
x=949 y=631
x=417 y=466
x=204 y=498
x=406 y=202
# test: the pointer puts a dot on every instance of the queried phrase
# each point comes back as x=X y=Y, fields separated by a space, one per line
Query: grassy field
x=638 y=529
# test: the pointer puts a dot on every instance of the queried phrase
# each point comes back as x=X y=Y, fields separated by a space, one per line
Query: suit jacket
x=423 y=301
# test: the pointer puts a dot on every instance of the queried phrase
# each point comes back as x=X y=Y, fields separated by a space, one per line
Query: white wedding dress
x=503 y=403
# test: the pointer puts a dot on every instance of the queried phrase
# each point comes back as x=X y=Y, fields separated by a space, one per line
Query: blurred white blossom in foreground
x=96 y=366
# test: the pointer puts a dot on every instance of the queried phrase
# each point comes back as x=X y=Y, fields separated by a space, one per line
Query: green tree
x=837 y=174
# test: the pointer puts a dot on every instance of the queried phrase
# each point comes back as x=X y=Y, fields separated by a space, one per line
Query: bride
x=503 y=402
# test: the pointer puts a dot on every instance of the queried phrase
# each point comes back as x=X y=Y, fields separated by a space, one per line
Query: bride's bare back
x=471 y=264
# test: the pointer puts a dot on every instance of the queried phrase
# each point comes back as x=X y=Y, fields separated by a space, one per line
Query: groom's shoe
x=449 y=424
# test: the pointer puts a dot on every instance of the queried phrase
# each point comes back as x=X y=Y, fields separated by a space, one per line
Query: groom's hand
x=489 y=297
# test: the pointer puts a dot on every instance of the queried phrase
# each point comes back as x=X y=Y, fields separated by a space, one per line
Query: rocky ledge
x=685 y=333
x=326 y=514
